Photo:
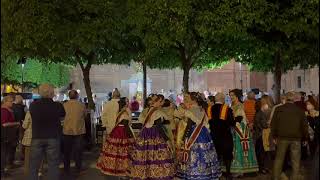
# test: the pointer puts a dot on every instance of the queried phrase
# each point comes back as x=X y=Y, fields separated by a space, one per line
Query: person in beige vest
x=73 y=131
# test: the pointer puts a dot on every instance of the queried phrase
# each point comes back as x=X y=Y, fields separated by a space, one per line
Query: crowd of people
x=201 y=138
x=204 y=138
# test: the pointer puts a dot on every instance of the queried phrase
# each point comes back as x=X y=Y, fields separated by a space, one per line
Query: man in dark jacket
x=220 y=126
x=288 y=128
x=46 y=133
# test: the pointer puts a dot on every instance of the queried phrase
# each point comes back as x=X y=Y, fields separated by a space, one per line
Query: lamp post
x=22 y=61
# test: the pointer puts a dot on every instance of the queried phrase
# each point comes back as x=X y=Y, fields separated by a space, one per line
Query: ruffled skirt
x=114 y=159
x=203 y=161
x=151 y=157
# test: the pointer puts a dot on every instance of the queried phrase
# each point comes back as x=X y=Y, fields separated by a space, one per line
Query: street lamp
x=22 y=61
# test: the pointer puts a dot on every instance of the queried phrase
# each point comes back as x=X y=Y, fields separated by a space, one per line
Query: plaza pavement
x=90 y=158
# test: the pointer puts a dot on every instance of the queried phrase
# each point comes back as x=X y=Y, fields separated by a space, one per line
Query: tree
x=73 y=32
x=34 y=73
x=285 y=35
x=189 y=32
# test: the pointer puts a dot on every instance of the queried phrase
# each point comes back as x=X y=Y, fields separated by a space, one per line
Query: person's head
x=236 y=95
x=220 y=97
x=148 y=102
x=115 y=94
x=7 y=102
x=156 y=101
x=193 y=98
x=283 y=99
x=161 y=98
x=266 y=103
x=46 y=91
x=251 y=95
x=167 y=103
x=182 y=105
x=291 y=96
x=134 y=98
x=297 y=96
x=211 y=99
x=303 y=95
x=312 y=104
x=18 y=99
x=73 y=94
x=122 y=103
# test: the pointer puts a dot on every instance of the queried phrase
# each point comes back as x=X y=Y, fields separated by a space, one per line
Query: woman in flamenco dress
x=152 y=157
x=244 y=160
x=197 y=155
x=114 y=159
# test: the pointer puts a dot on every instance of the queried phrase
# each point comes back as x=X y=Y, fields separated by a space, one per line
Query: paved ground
x=93 y=174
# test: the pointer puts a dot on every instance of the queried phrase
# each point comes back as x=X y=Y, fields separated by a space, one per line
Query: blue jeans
x=40 y=148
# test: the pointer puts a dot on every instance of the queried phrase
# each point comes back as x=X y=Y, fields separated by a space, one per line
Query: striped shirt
x=249 y=109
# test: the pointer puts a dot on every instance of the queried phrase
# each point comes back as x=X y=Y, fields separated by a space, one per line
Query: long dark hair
x=238 y=93
x=122 y=103
x=194 y=96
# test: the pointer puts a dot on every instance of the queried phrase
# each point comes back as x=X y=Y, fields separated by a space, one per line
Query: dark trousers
x=295 y=154
x=224 y=151
x=9 y=139
x=7 y=153
x=72 y=146
x=41 y=148
x=315 y=172
x=260 y=153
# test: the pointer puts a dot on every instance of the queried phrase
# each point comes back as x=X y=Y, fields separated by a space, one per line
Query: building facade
x=104 y=78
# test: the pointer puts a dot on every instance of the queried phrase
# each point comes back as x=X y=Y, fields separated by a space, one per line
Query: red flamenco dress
x=114 y=158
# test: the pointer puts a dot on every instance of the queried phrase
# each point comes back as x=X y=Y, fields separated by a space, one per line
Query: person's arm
x=62 y=112
x=274 y=128
x=304 y=126
x=264 y=121
x=27 y=121
x=231 y=120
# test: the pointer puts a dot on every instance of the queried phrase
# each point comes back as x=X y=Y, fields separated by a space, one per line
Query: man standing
x=46 y=133
x=220 y=127
x=134 y=104
x=288 y=128
x=73 y=130
x=109 y=114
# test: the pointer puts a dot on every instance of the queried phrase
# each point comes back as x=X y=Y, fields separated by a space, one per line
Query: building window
x=299 y=82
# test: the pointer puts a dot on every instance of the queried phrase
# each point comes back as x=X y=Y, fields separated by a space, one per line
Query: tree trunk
x=144 y=67
x=186 y=79
x=87 y=85
x=4 y=88
x=277 y=77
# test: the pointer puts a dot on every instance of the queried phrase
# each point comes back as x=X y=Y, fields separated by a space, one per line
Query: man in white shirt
x=109 y=113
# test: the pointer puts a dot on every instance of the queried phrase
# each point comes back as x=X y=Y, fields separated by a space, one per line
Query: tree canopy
x=286 y=35
x=191 y=33
x=35 y=73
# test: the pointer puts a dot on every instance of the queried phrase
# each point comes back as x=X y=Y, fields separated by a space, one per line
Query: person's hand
x=275 y=141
